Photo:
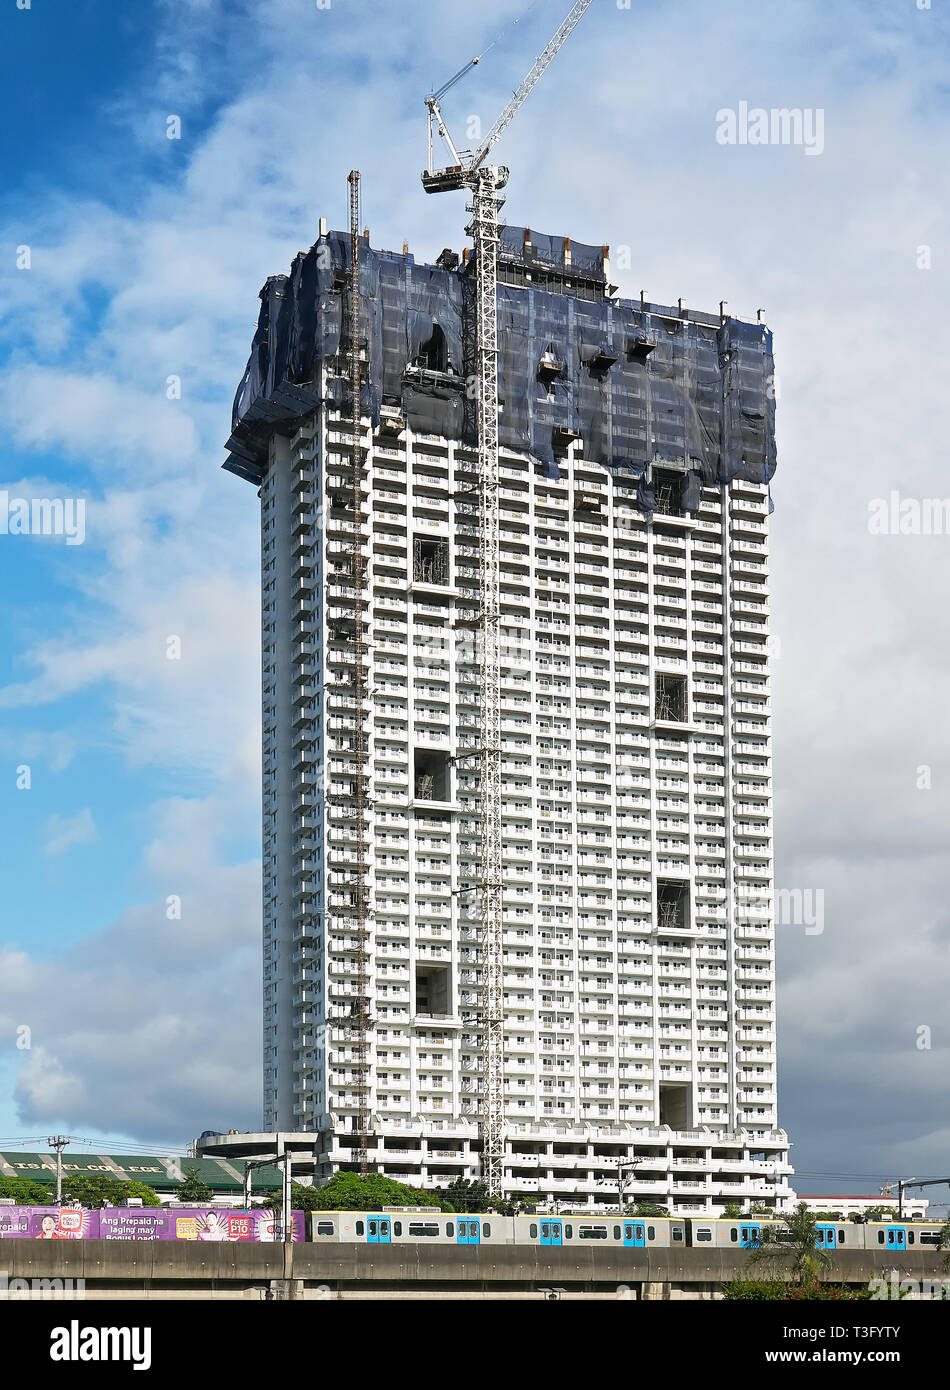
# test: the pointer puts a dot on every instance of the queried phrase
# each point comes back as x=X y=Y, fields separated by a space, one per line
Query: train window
x=324 y=1228
x=592 y=1232
x=397 y=1228
x=533 y=1228
x=677 y=1233
x=651 y=1233
x=421 y=1229
x=616 y=1233
x=733 y=1234
x=359 y=1228
x=910 y=1237
x=449 y=1228
x=703 y=1233
x=569 y=1232
x=930 y=1237
x=486 y=1229
x=841 y=1237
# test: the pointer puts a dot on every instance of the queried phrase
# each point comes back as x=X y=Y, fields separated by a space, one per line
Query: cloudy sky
x=128 y=259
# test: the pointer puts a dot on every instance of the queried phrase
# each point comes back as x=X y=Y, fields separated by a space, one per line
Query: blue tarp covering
x=637 y=383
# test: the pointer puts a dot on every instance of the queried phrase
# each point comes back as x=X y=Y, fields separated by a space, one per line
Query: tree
x=732 y=1212
x=192 y=1188
x=26 y=1192
x=798 y=1242
x=512 y=1206
x=89 y=1191
x=880 y=1213
x=465 y=1196
x=350 y=1192
x=648 y=1209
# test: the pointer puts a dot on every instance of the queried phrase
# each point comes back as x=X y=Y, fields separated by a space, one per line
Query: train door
x=468 y=1231
x=378 y=1230
x=896 y=1237
x=826 y=1237
x=750 y=1235
x=552 y=1233
x=633 y=1233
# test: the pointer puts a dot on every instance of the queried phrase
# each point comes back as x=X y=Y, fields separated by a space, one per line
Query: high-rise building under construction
x=636 y=446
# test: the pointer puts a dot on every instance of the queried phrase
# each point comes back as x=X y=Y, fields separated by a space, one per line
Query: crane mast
x=485 y=182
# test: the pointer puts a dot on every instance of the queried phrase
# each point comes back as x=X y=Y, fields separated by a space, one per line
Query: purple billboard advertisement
x=144 y=1223
x=49 y=1223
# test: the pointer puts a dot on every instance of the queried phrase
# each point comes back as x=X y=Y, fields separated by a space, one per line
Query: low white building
x=915 y=1208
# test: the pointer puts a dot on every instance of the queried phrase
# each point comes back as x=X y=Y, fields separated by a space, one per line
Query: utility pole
x=286 y=1219
x=287 y=1287
x=622 y=1183
x=915 y=1182
x=59 y=1142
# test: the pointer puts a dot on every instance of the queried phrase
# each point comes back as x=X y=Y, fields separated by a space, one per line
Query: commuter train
x=449 y=1228
x=429 y=1226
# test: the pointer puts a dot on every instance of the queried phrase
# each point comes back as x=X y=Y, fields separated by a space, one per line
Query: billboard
x=49 y=1223
x=218 y=1225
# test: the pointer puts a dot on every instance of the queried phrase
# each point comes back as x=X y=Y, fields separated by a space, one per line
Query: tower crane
x=486 y=181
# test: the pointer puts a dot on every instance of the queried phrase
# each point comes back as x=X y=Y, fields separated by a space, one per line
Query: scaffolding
x=358 y=1023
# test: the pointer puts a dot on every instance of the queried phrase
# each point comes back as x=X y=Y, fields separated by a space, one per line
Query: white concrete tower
x=637 y=795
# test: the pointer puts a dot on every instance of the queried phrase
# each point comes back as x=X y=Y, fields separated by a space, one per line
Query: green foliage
x=517 y=1206
x=465 y=1196
x=945 y=1244
x=732 y=1212
x=192 y=1188
x=649 y=1209
x=786 y=1291
x=881 y=1213
x=796 y=1242
x=760 y=1209
x=98 y=1191
x=26 y=1192
x=350 y=1192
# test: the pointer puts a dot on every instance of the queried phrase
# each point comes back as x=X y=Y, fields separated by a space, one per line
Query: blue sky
x=146 y=258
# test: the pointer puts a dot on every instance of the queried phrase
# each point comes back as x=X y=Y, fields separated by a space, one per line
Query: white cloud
x=150 y=1026
x=66 y=832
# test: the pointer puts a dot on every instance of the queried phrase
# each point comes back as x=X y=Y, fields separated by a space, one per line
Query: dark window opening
x=433 y=990
x=431 y=774
x=669 y=492
x=674 y=1106
x=433 y=356
x=672 y=905
x=671 y=703
x=430 y=561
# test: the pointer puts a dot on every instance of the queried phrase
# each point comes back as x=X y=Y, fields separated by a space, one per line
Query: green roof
x=164 y=1174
